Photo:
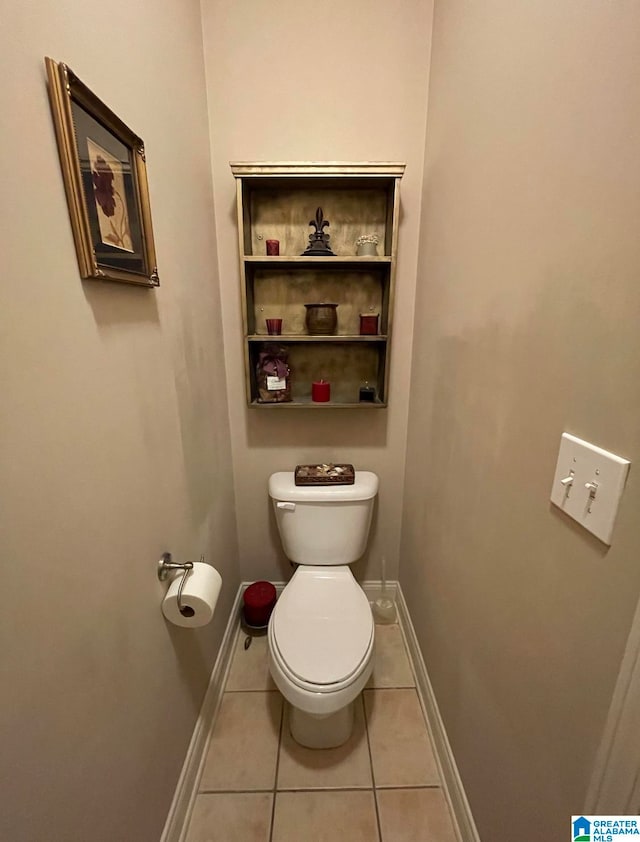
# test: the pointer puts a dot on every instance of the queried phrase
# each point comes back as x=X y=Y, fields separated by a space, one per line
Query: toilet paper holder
x=166 y=566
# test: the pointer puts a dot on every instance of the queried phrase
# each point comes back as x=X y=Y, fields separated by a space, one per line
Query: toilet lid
x=322 y=625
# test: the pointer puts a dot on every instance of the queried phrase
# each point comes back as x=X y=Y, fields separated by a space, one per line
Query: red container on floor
x=259 y=600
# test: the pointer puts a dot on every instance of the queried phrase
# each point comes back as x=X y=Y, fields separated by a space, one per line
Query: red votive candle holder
x=273 y=248
x=320 y=391
x=274 y=327
x=369 y=324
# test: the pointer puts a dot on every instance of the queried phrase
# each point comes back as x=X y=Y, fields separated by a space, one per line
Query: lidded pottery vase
x=321 y=319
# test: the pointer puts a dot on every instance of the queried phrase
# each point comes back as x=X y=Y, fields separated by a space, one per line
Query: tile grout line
x=373 y=776
x=235 y=791
x=316 y=789
x=409 y=786
x=274 y=789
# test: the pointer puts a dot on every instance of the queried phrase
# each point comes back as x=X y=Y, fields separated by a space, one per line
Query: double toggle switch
x=588 y=484
x=592 y=487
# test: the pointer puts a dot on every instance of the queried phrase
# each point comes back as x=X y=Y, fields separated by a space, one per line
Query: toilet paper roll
x=200 y=594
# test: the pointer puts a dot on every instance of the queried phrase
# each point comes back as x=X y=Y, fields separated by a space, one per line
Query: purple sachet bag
x=273 y=375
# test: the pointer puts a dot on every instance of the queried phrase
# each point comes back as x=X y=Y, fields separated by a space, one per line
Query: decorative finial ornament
x=319 y=241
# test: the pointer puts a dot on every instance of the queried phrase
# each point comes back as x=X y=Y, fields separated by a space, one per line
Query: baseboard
x=453 y=788
x=187 y=788
x=279 y=586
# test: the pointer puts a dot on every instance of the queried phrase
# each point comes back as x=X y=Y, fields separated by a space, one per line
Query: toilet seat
x=321 y=632
x=298 y=681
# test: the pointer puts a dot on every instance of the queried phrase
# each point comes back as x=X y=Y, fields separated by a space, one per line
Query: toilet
x=321 y=631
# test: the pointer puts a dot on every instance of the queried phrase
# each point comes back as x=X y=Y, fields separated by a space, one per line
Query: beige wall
x=526 y=325
x=340 y=81
x=114 y=437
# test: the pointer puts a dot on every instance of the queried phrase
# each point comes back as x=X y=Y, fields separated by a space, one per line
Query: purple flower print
x=103 y=185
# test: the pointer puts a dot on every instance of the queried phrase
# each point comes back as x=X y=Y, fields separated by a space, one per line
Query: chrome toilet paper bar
x=165 y=566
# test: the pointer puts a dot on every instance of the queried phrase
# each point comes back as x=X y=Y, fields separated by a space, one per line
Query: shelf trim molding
x=351 y=259
x=249 y=169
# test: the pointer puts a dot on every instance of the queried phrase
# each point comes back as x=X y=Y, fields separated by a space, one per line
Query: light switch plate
x=588 y=484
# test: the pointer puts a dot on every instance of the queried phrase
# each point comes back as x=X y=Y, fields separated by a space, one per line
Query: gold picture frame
x=105 y=180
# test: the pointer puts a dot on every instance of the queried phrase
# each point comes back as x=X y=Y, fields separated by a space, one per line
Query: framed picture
x=105 y=179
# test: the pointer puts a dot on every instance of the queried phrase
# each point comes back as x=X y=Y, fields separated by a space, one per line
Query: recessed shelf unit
x=276 y=201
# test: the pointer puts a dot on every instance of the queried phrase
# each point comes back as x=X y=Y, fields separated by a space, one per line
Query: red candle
x=320 y=391
x=369 y=324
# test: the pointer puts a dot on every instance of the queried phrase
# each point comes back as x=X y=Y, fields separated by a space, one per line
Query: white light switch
x=588 y=485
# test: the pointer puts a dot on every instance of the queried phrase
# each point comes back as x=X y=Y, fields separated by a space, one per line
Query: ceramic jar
x=367 y=250
x=321 y=319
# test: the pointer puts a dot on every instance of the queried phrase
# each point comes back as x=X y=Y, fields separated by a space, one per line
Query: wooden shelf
x=276 y=201
x=265 y=337
x=307 y=403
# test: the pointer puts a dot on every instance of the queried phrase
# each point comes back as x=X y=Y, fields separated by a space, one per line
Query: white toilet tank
x=323 y=524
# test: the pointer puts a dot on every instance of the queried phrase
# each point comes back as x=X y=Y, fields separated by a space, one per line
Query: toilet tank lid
x=282 y=486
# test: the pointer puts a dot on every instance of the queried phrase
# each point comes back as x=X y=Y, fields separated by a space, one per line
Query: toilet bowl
x=321 y=632
x=321 y=646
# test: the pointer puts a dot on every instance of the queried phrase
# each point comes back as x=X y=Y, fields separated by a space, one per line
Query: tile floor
x=258 y=785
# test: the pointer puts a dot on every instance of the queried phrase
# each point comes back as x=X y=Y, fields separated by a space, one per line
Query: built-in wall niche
x=276 y=202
